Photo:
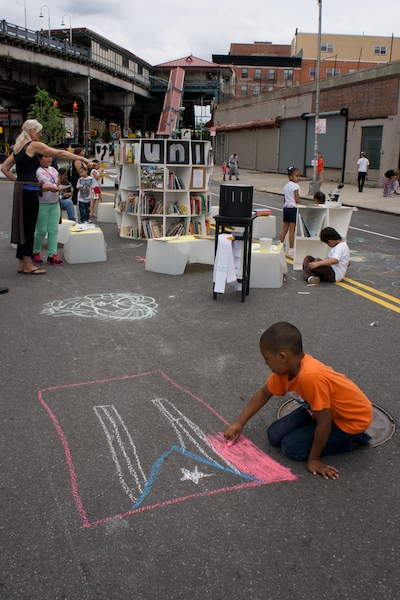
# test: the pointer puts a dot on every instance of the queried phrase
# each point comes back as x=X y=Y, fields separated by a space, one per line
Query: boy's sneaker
x=54 y=260
x=37 y=259
x=313 y=279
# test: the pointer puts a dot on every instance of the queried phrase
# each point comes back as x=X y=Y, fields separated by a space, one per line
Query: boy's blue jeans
x=294 y=435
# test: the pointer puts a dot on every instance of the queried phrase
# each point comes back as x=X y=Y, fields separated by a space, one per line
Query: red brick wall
x=362 y=100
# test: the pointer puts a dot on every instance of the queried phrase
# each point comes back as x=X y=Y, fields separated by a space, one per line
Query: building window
x=140 y=70
x=326 y=47
x=125 y=62
x=245 y=73
x=257 y=74
x=312 y=72
x=270 y=88
x=243 y=90
x=332 y=72
x=271 y=74
x=380 y=50
x=287 y=74
x=257 y=89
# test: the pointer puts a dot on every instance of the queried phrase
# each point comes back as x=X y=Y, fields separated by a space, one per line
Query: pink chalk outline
x=244 y=454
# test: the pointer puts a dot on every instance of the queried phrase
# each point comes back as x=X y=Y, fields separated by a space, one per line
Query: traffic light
x=75 y=107
x=55 y=103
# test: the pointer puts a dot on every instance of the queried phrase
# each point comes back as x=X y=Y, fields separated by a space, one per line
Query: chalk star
x=194 y=476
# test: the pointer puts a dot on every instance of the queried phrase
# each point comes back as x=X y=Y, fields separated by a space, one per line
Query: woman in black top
x=25 y=157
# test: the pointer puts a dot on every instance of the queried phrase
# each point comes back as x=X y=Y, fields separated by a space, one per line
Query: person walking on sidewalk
x=233 y=164
x=292 y=197
x=363 y=164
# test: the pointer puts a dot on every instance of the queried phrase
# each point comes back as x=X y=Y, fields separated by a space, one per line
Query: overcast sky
x=161 y=30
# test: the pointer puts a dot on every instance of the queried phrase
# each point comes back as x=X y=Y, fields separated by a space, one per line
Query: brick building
x=272 y=130
x=259 y=68
x=342 y=54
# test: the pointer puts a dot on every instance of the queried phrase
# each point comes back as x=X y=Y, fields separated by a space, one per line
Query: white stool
x=267 y=268
x=85 y=246
x=264 y=227
x=63 y=230
x=170 y=256
x=106 y=212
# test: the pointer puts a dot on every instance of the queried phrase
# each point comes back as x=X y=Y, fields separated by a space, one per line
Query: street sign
x=320 y=126
x=213 y=131
x=69 y=133
x=102 y=152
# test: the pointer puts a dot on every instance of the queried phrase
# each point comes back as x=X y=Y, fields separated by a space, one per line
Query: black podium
x=235 y=210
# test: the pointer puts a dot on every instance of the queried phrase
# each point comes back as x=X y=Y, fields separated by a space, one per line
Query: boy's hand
x=327 y=471
x=232 y=432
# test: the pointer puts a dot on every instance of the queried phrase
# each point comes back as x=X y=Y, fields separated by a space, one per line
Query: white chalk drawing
x=126 y=459
x=194 y=475
x=111 y=307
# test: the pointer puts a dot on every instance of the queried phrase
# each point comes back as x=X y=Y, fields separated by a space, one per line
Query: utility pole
x=314 y=186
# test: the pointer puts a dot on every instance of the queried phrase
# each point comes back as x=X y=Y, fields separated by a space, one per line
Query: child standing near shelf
x=84 y=186
x=334 y=267
x=97 y=174
x=292 y=197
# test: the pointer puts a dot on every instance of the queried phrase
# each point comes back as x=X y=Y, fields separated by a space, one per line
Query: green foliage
x=49 y=116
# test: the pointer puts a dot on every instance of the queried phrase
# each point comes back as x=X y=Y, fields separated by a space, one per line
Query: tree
x=49 y=116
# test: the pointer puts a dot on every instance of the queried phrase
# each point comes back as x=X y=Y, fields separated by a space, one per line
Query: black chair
x=236 y=210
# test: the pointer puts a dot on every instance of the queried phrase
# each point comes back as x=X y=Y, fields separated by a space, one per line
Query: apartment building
x=342 y=54
x=259 y=68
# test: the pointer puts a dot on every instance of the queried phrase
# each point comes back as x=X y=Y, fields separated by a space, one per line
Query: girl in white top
x=292 y=197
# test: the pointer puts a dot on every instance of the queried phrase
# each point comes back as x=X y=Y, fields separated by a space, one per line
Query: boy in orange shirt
x=333 y=414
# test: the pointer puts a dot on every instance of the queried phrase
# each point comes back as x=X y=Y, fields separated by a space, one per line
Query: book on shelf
x=151 y=228
x=132 y=203
x=313 y=221
x=151 y=177
x=175 y=229
x=199 y=204
x=175 y=182
x=132 y=232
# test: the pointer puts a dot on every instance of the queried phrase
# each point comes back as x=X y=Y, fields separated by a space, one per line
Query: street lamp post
x=41 y=15
x=70 y=26
x=314 y=186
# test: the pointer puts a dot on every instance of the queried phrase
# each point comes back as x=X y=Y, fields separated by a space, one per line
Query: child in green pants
x=49 y=213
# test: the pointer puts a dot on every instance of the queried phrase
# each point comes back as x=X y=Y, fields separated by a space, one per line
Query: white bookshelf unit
x=310 y=221
x=163 y=187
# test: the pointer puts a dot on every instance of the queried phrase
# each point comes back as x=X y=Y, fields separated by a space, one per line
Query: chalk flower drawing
x=107 y=307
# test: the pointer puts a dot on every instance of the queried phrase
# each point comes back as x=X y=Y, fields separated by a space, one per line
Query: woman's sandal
x=34 y=272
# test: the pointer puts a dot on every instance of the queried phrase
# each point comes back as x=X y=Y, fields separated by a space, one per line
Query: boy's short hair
x=62 y=170
x=319 y=197
x=282 y=336
x=328 y=233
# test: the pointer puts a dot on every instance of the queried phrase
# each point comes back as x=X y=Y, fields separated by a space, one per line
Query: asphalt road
x=105 y=364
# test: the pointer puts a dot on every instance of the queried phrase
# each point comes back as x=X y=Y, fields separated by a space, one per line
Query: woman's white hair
x=29 y=125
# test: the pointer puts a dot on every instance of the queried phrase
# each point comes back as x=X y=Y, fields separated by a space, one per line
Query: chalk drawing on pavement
x=107 y=307
x=142 y=442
